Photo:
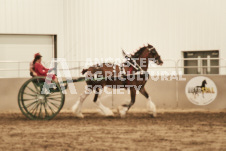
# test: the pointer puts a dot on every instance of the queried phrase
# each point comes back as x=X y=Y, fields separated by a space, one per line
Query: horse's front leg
x=76 y=109
x=104 y=110
x=151 y=108
x=122 y=110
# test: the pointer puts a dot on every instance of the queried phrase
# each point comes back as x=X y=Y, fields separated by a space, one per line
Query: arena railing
x=19 y=69
x=200 y=67
x=13 y=69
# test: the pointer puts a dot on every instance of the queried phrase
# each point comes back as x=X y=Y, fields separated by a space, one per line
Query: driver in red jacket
x=41 y=70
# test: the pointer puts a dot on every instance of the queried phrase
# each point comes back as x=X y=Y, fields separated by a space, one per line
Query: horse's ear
x=123 y=53
x=152 y=49
x=150 y=46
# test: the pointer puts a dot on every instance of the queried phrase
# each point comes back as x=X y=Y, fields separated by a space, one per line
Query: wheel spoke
x=40 y=111
x=32 y=90
x=29 y=94
x=35 y=110
x=50 y=108
x=27 y=106
x=35 y=107
x=28 y=99
x=54 y=105
x=35 y=86
x=55 y=99
x=46 y=112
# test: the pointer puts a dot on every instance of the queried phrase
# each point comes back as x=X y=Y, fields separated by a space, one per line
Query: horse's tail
x=84 y=71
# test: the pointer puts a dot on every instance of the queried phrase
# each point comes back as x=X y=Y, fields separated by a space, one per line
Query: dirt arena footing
x=170 y=130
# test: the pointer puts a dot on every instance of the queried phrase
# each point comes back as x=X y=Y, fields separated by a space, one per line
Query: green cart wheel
x=39 y=100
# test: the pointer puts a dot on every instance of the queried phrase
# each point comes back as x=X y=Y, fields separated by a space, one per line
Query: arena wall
x=165 y=94
x=99 y=28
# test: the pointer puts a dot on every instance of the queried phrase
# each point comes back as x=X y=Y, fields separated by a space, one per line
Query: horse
x=200 y=89
x=135 y=66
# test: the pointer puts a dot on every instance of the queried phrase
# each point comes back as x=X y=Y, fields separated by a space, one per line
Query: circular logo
x=201 y=90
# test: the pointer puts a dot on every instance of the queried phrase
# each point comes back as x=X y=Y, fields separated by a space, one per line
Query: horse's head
x=204 y=82
x=154 y=54
x=145 y=53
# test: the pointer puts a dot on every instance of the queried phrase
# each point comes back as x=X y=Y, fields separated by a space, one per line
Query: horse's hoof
x=79 y=115
x=110 y=115
x=123 y=116
x=107 y=113
x=153 y=114
x=122 y=111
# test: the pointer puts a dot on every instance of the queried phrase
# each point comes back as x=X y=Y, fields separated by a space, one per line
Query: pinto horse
x=135 y=75
x=200 y=89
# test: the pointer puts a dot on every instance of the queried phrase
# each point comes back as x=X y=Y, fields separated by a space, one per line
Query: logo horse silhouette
x=200 y=89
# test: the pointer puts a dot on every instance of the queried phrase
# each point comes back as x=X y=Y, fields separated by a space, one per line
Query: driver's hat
x=37 y=55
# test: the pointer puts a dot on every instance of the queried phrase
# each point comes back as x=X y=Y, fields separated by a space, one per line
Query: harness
x=133 y=64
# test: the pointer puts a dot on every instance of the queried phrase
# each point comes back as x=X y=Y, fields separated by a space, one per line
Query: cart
x=41 y=100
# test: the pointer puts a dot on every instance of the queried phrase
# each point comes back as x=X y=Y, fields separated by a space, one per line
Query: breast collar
x=133 y=64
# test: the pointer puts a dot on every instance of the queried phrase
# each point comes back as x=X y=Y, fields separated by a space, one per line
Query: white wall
x=104 y=26
x=100 y=28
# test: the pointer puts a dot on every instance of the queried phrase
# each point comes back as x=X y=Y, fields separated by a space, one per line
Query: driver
x=40 y=70
x=32 y=68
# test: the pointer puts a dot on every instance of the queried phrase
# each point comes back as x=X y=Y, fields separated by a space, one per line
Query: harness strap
x=130 y=72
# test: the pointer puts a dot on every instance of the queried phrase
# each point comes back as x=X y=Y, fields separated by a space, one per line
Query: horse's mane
x=139 y=52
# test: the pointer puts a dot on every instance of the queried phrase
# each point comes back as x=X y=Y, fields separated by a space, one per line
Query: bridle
x=150 y=51
x=134 y=64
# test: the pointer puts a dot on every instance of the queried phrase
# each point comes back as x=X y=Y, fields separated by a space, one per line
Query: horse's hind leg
x=122 y=110
x=150 y=105
x=78 y=105
x=104 y=110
